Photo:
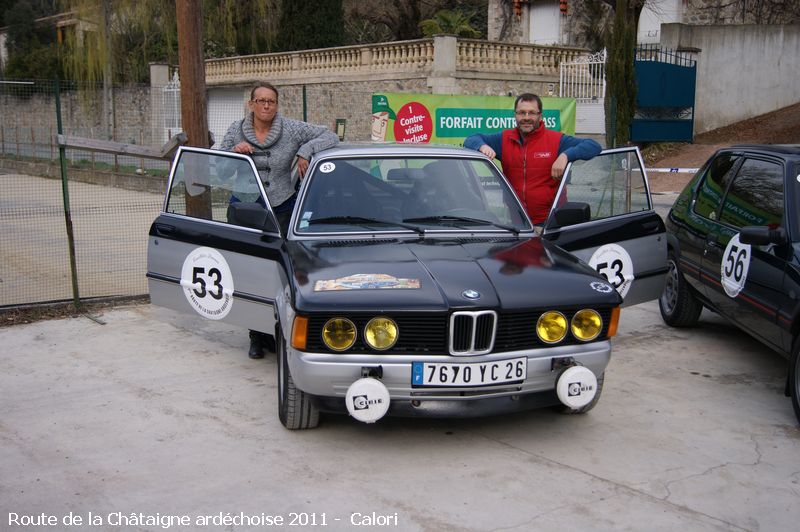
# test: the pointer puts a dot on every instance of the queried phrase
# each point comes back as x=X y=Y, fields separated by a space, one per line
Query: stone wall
x=742 y=71
x=32 y=114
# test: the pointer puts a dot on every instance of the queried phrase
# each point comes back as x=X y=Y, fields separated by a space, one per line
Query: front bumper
x=328 y=376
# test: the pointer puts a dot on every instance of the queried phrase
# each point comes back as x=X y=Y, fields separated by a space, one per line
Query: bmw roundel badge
x=603 y=288
x=471 y=294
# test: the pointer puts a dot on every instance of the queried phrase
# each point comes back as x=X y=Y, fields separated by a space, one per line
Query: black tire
x=295 y=409
x=678 y=304
x=564 y=409
x=794 y=379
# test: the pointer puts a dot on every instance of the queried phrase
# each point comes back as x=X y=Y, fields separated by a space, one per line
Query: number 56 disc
x=735 y=265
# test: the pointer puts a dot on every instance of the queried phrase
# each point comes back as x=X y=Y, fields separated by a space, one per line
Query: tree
x=369 y=21
x=144 y=31
x=593 y=22
x=450 y=22
x=240 y=27
x=620 y=100
x=306 y=25
x=32 y=53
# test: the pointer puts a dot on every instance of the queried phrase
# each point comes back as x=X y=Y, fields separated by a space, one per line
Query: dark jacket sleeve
x=494 y=141
x=576 y=148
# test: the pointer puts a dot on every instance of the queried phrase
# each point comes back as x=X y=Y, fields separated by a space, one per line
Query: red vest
x=527 y=167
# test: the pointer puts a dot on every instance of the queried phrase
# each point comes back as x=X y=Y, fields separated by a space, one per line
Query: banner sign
x=449 y=119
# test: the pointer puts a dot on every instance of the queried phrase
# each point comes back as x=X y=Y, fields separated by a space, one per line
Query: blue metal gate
x=665 y=90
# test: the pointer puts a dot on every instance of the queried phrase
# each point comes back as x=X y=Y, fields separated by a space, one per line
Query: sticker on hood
x=365 y=281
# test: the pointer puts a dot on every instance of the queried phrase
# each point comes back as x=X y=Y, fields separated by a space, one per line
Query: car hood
x=441 y=274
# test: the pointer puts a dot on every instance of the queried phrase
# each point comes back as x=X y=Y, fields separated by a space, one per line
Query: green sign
x=462 y=122
x=449 y=119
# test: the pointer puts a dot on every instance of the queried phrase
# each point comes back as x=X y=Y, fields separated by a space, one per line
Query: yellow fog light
x=586 y=325
x=381 y=333
x=339 y=334
x=551 y=327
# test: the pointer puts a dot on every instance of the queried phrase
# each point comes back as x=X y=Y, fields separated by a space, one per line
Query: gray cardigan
x=274 y=158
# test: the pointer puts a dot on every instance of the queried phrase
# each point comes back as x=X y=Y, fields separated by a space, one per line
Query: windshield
x=408 y=194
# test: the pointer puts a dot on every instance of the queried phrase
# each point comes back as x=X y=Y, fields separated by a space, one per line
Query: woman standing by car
x=273 y=141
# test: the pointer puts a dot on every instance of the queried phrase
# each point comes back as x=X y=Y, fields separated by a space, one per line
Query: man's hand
x=302 y=166
x=487 y=151
x=560 y=164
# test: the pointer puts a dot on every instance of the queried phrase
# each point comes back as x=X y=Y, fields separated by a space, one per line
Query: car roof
x=394 y=149
x=776 y=149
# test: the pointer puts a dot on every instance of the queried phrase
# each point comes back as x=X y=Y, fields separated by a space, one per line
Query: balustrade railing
x=403 y=56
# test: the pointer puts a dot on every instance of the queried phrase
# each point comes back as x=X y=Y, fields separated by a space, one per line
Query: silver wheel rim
x=669 y=298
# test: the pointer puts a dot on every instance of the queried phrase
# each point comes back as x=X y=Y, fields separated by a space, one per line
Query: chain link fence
x=82 y=233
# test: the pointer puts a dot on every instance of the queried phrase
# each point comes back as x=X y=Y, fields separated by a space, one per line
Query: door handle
x=166 y=229
x=649 y=226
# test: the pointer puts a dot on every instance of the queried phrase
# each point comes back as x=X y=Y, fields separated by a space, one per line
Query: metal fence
x=106 y=201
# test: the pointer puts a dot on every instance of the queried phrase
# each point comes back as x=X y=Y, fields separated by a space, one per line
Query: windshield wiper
x=446 y=218
x=363 y=220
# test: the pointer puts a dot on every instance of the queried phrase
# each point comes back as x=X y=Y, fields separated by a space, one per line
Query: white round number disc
x=207 y=283
x=327 y=168
x=735 y=265
x=615 y=264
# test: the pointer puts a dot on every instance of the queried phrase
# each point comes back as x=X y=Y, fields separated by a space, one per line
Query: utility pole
x=191 y=68
x=108 y=82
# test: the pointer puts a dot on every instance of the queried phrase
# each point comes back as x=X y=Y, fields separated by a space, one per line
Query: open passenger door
x=603 y=214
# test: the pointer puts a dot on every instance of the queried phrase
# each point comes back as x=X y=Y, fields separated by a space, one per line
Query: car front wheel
x=295 y=409
x=679 y=307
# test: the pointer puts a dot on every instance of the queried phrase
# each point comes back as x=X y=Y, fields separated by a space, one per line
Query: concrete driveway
x=153 y=420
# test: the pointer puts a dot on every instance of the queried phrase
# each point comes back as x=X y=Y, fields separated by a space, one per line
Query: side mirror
x=252 y=215
x=762 y=235
x=571 y=213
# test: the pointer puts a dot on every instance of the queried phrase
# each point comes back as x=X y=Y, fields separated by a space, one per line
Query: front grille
x=472 y=333
x=461 y=333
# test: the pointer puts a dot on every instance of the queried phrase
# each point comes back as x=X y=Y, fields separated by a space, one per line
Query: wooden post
x=191 y=69
x=113 y=139
x=33 y=143
x=91 y=134
x=141 y=142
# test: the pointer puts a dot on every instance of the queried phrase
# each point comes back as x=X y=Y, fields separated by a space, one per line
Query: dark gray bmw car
x=410 y=281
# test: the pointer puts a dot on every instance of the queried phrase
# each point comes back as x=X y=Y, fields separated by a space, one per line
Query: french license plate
x=470 y=373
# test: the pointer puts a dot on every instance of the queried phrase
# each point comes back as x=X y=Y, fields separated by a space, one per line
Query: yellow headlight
x=381 y=333
x=551 y=327
x=339 y=334
x=586 y=325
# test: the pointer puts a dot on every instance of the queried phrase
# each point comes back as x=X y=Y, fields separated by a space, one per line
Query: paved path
x=157 y=413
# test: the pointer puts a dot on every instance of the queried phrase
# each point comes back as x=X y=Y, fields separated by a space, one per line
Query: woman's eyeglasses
x=264 y=101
